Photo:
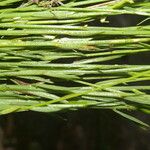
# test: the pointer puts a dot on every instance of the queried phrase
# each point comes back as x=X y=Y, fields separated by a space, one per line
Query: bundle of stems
x=53 y=58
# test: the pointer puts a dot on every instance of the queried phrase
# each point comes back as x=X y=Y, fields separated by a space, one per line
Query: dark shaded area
x=82 y=130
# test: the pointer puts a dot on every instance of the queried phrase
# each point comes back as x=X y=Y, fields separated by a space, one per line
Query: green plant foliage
x=53 y=59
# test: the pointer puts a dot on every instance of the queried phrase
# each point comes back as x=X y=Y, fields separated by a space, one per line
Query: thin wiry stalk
x=52 y=59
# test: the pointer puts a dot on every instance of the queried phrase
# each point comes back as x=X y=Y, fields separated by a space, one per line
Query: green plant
x=52 y=59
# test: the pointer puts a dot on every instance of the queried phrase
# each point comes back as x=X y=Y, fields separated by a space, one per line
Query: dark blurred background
x=82 y=130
